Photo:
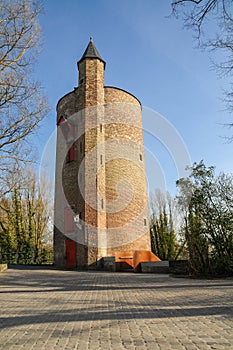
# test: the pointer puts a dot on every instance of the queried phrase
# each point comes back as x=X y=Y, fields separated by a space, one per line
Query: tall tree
x=163 y=238
x=208 y=219
x=25 y=213
x=22 y=103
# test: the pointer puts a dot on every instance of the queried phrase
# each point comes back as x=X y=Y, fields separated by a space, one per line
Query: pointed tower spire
x=91 y=52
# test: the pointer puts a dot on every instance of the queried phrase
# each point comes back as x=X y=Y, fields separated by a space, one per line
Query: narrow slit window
x=68 y=220
x=102 y=203
x=140 y=156
x=145 y=222
x=101 y=127
x=81 y=147
x=101 y=159
x=71 y=154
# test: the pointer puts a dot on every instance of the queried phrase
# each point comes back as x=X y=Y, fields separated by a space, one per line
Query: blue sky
x=150 y=55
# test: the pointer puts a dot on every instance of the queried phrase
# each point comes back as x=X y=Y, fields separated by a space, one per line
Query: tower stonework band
x=101 y=202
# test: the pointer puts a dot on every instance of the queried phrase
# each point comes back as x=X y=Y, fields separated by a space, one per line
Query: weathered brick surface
x=114 y=94
x=44 y=309
x=106 y=182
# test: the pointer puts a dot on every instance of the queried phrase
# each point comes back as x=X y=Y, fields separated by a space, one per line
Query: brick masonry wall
x=126 y=192
x=106 y=183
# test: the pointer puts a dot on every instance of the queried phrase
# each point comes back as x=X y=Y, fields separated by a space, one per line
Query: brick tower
x=100 y=190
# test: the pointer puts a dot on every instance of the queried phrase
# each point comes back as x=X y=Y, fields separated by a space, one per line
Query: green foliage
x=207 y=203
x=163 y=239
x=24 y=218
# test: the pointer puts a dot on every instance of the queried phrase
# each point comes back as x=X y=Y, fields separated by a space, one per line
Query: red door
x=70 y=254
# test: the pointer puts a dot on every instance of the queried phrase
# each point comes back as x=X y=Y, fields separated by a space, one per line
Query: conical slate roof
x=91 y=52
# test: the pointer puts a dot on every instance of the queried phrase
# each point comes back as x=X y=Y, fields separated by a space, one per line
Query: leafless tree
x=212 y=22
x=22 y=103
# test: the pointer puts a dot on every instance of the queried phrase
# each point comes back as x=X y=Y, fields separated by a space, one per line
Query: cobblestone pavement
x=51 y=309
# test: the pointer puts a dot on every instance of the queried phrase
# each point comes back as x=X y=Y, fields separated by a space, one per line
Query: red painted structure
x=71 y=252
x=132 y=259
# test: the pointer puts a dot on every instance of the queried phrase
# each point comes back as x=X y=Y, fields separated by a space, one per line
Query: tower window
x=67 y=128
x=71 y=154
x=102 y=203
x=68 y=220
x=73 y=207
x=81 y=147
x=61 y=121
x=81 y=81
x=101 y=127
x=140 y=156
x=101 y=159
x=80 y=177
x=144 y=222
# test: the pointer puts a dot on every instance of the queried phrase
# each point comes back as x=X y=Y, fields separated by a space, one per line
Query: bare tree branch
x=22 y=103
x=197 y=16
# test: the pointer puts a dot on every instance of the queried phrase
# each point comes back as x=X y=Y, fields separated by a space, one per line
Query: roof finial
x=90 y=52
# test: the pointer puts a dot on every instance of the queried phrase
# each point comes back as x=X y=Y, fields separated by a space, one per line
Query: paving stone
x=47 y=309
